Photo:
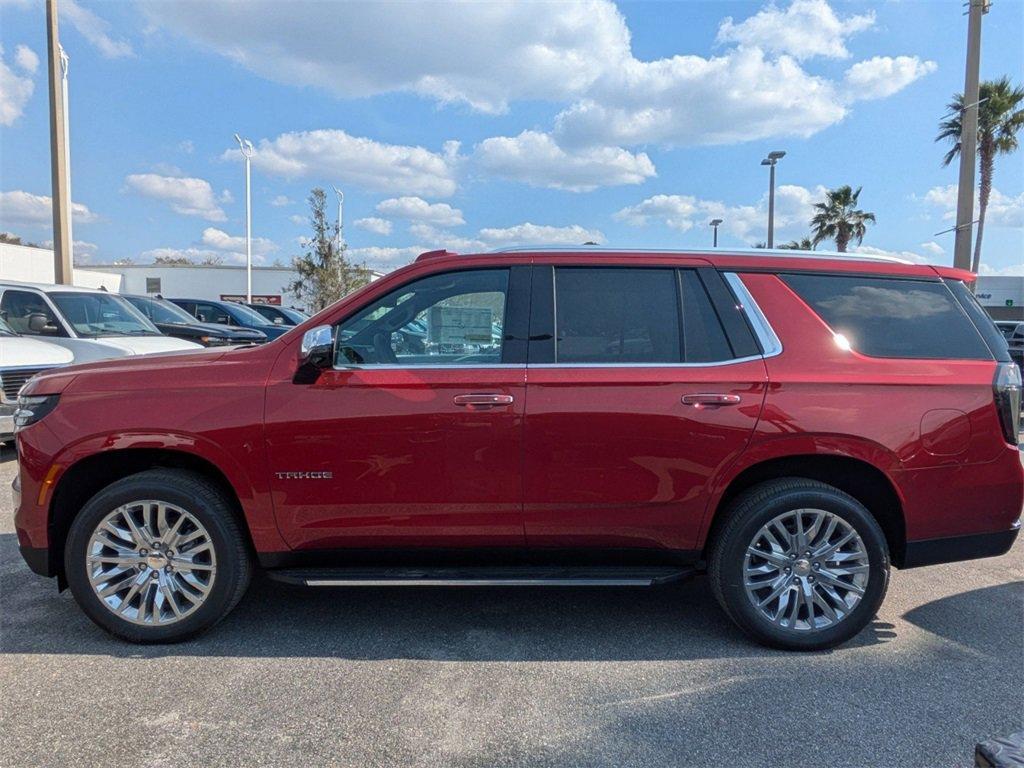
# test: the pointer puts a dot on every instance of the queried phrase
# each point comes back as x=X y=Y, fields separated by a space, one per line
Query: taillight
x=1007 y=393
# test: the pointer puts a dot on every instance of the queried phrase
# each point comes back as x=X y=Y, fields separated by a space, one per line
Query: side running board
x=521 y=576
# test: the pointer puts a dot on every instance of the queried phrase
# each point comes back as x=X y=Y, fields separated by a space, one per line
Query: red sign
x=265 y=298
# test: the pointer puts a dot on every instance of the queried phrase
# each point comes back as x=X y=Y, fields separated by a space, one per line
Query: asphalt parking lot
x=485 y=677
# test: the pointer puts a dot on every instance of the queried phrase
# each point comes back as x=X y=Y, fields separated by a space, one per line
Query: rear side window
x=886 y=317
x=616 y=315
x=703 y=336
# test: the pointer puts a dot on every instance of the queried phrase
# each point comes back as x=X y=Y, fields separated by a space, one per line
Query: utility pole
x=714 y=224
x=246 y=147
x=59 y=169
x=968 y=137
x=770 y=161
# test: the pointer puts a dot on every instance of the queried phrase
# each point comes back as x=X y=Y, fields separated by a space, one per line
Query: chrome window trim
x=698 y=252
x=710 y=364
x=770 y=342
x=431 y=367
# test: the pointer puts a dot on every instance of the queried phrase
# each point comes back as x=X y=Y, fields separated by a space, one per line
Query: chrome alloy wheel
x=151 y=562
x=806 y=570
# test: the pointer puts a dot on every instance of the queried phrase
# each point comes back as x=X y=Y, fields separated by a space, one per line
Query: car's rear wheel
x=798 y=564
x=157 y=557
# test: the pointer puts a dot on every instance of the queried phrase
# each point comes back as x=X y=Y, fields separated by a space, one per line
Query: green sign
x=1009 y=302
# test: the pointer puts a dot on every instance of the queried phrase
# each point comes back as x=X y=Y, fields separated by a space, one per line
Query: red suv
x=791 y=424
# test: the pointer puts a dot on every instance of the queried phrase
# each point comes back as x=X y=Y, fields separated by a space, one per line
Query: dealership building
x=198 y=281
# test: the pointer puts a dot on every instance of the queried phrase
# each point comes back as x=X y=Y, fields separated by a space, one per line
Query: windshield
x=161 y=310
x=246 y=316
x=5 y=329
x=102 y=314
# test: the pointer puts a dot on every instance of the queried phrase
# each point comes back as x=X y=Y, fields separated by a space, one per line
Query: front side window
x=211 y=313
x=29 y=314
x=101 y=314
x=454 y=318
x=616 y=315
x=889 y=317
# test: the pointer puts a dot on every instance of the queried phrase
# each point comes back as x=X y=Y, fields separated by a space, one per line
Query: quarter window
x=454 y=318
x=887 y=317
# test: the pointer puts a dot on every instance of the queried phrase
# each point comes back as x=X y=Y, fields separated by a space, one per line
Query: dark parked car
x=794 y=426
x=279 y=315
x=230 y=313
x=172 y=320
x=1013 y=332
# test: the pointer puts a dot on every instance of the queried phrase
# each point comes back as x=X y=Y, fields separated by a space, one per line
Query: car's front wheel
x=798 y=564
x=157 y=557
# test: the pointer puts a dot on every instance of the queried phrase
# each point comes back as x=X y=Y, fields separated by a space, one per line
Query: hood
x=216 y=329
x=118 y=369
x=272 y=331
x=21 y=351
x=145 y=345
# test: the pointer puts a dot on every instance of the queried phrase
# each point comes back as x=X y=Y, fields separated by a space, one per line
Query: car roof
x=52 y=287
x=758 y=259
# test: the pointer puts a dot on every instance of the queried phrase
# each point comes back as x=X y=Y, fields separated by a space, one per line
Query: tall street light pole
x=59 y=171
x=246 y=147
x=341 y=217
x=714 y=224
x=770 y=161
x=968 y=138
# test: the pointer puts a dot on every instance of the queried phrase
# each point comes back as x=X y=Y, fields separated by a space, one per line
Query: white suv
x=21 y=359
x=93 y=325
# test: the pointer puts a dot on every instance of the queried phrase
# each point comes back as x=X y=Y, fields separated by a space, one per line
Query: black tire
x=743 y=519
x=202 y=499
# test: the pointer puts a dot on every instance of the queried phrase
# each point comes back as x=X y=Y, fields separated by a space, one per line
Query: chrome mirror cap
x=317 y=346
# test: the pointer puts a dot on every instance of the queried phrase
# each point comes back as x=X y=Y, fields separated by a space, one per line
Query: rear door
x=643 y=383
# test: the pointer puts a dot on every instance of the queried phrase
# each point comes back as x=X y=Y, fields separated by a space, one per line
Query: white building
x=199 y=281
x=1002 y=296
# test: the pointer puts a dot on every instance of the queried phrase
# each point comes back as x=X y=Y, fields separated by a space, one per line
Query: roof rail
x=792 y=254
x=435 y=254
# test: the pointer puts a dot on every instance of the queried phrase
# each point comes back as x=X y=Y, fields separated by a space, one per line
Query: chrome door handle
x=710 y=399
x=483 y=400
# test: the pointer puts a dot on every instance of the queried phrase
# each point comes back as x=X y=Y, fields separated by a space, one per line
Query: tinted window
x=615 y=315
x=997 y=344
x=886 y=317
x=704 y=339
x=212 y=313
x=18 y=308
x=455 y=318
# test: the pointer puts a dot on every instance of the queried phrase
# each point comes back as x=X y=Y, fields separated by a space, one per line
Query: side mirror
x=317 y=348
x=37 y=322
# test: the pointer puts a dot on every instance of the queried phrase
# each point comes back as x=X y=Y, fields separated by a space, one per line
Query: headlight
x=32 y=409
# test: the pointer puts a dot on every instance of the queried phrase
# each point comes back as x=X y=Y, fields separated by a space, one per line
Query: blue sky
x=484 y=125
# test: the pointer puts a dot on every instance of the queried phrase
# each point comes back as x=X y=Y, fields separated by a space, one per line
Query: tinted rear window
x=885 y=317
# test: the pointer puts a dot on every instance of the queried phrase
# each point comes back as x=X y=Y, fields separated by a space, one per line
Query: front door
x=638 y=400
x=414 y=438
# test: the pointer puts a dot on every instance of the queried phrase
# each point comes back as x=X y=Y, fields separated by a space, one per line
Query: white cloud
x=95 y=30
x=480 y=54
x=806 y=28
x=26 y=58
x=538 y=234
x=1014 y=270
x=933 y=248
x=1003 y=210
x=196 y=255
x=373 y=224
x=222 y=241
x=187 y=146
x=83 y=251
x=18 y=207
x=364 y=162
x=794 y=207
x=882 y=76
x=15 y=89
x=536 y=159
x=297 y=219
x=280 y=201
x=418 y=209
x=378 y=255
x=186 y=195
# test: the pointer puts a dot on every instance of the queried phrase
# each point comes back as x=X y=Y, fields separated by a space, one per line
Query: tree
x=1000 y=117
x=172 y=260
x=324 y=273
x=803 y=244
x=839 y=219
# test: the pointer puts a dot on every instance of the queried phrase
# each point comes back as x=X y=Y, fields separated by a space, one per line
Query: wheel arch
x=861 y=479
x=89 y=475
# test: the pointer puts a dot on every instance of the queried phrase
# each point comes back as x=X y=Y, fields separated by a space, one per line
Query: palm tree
x=1000 y=117
x=803 y=244
x=839 y=219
